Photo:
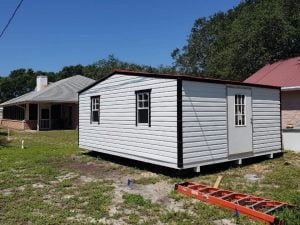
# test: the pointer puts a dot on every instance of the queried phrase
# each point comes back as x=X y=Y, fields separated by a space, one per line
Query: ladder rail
x=243 y=209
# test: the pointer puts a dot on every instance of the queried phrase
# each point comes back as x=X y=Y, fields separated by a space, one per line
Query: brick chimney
x=41 y=82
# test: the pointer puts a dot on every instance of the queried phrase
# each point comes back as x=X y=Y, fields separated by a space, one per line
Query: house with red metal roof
x=286 y=74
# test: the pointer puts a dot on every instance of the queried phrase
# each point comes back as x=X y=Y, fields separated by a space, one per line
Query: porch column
x=38 y=117
x=27 y=112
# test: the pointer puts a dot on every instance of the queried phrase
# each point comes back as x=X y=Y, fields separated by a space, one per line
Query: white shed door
x=239 y=120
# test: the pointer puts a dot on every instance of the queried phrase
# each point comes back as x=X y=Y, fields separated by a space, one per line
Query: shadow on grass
x=3 y=142
x=174 y=173
x=3 y=133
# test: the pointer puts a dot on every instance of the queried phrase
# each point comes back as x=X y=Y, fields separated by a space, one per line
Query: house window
x=239 y=110
x=33 y=111
x=95 y=109
x=14 y=112
x=143 y=107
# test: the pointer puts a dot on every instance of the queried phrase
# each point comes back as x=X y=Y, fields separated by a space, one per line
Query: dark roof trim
x=175 y=76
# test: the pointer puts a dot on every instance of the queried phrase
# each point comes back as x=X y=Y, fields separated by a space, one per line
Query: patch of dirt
x=82 y=218
x=224 y=222
x=67 y=176
x=6 y=192
x=294 y=160
x=260 y=169
x=38 y=185
x=111 y=221
x=148 y=174
x=94 y=170
x=157 y=193
x=86 y=179
x=252 y=177
x=21 y=188
x=67 y=197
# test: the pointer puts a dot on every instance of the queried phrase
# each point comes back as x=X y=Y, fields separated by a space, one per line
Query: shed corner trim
x=179 y=124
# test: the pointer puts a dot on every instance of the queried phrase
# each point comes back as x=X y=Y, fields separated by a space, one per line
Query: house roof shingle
x=65 y=90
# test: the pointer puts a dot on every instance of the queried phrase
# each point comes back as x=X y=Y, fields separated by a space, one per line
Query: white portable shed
x=179 y=121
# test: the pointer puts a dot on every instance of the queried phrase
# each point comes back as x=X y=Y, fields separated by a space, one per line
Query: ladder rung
x=228 y=195
x=274 y=208
x=202 y=189
x=194 y=186
x=241 y=199
x=214 y=192
x=257 y=203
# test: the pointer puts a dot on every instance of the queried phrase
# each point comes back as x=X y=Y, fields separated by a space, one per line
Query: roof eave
x=39 y=102
x=175 y=76
x=292 y=88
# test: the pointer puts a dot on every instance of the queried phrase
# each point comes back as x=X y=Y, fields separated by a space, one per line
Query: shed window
x=239 y=109
x=95 y=109
x=143 y=107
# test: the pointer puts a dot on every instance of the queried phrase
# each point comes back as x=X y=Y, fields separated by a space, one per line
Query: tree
x=69 y=71
x=21 y=81
x=106 y=66
x=236 y=43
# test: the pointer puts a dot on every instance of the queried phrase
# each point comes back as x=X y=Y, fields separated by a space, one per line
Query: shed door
x=239 y=120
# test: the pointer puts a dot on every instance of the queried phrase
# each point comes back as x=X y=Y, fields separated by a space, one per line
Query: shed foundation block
x=197 y=169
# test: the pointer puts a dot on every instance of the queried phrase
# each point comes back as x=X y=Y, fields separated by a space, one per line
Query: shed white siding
x=204 y=115
x=205 y=122
x=266 y=120
x=117 y=133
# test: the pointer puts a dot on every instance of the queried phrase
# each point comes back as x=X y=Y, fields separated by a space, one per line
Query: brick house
x=49 y=106
x=286 y=74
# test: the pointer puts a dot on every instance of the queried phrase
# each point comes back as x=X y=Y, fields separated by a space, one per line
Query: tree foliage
x=236 y=43
x=21 y=81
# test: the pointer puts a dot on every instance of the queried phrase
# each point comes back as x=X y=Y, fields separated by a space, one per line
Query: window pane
x=45 y=114
x=95 y=116
x=239 y=110
x=145 y=96
x=146 y=104
x=143 y=116
x=140 y=96
x=140 y=104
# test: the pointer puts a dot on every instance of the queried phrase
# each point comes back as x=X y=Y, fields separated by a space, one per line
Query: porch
x=40 y=116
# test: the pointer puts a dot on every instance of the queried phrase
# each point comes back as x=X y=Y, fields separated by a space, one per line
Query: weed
x=134 y=200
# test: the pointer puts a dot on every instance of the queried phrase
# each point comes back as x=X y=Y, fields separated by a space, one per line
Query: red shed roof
x=284 y=73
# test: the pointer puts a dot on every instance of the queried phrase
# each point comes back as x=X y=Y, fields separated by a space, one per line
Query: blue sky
x=47 y=35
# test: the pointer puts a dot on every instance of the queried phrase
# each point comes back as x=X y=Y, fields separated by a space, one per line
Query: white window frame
x=95 y=107
x=240 y=110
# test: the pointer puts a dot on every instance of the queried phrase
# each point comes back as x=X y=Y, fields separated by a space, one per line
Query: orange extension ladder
x=255 y=207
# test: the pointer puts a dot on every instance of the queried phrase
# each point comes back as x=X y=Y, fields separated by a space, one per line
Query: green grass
x=37 y=168
x=148 y=180
x=51 y=181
